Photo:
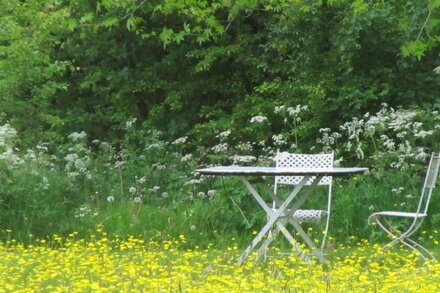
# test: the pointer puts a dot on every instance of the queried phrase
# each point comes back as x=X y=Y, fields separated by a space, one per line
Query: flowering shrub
x=389 y=139
x=146 y=178
x=8 y=150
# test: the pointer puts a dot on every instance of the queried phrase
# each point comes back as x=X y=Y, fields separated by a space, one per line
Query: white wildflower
x=30 y=155
x=152 y=146
x=401 y=134
x=221 y=147
x=186 y=158
x=279 y=109
x=129 y=123
x=158 y=166
x=75 y=136
x=132 y=189
x=119 y=164
x=180 y=140
x=278 y=139
x=42 y=147
x=45 y=183
x=223 y=134
x=359 y=152
x=72 y=175
x=242 y=159
x=244 y=146
x=258 y=119
x=110 y=198
x=155 y=188
x=422 y=133
x=193 y=182
x=81 y=164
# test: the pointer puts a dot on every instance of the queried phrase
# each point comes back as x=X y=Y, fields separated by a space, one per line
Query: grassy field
x=102 y=264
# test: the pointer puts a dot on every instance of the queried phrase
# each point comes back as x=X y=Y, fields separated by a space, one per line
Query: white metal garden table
x=276 y=218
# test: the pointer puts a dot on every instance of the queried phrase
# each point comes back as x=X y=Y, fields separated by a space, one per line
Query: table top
x=277 y=171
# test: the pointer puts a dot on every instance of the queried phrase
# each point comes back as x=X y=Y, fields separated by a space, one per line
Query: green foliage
x=233 y=80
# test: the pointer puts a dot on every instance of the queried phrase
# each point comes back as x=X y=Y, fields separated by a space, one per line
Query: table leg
x=289 y=237
x=274 y=219
x=274 y=216
x=281 y=227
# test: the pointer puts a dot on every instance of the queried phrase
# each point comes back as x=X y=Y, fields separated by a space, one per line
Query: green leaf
x=71 y=24
x=359 y=6
x=110 y=21
x=434 y=4
x=415 y=48
x=87 y=17
x=166 y=36
x=178 y=37
x=133 y=22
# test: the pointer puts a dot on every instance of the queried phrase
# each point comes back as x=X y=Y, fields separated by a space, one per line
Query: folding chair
x=290 y=160
x=415 y=218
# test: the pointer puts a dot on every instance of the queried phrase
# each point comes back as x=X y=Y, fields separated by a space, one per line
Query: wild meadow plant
x=146 y=183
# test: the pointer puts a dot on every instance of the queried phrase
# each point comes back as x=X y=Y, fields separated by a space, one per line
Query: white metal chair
x=415 y=218
x=290 y=160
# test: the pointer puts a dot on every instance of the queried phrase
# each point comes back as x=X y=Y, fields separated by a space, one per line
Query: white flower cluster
x=388 y=133
x=278 y=139
x=220 y=148
x=223 y=134
x=129 y=124
x=193 y=182
x=293 y=112
x=328 y=138
x=153 y=146
x=186 y=158
x=8 y=151
x=75 y=136
x=258 y=119
x=85 y=210
x=154 y=188
x=78 y=159
x=245 y=146
x=180 y=140
x=237 y=159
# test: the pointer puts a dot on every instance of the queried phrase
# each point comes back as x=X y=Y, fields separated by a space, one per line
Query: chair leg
x=407 y=238
x=307 y=239
x=403 y=238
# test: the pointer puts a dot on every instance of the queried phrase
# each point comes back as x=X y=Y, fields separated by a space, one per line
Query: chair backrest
x=289 y=160
x=429 y=184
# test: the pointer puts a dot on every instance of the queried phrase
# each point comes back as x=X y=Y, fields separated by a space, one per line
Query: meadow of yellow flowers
x=101 y=264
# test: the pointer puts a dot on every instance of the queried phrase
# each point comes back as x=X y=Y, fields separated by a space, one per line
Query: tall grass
x=145 y=185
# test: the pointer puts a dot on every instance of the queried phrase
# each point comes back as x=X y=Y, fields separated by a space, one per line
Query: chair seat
x=309 y=216
x=399 y=214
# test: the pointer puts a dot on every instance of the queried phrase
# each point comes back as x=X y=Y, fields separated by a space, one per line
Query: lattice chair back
x=429 y=184
x=304 y=161
x=307 y=161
